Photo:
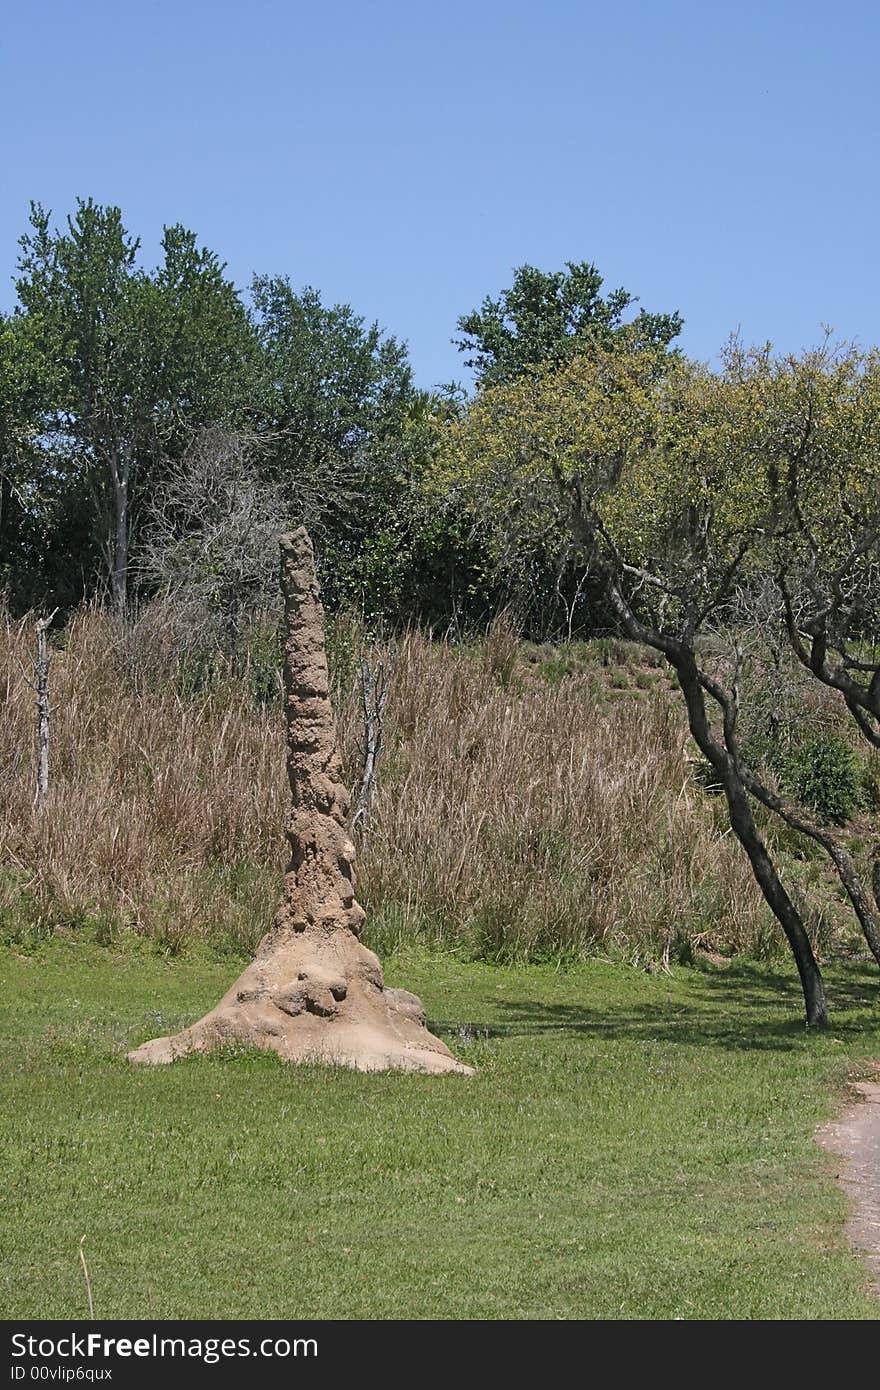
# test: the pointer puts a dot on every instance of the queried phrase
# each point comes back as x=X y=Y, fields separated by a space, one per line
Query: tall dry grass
x=514 y=815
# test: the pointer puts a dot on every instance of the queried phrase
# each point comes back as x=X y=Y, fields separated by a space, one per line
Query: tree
x=825 y=460
x=663 y=479
x=209 y=539
x=825 y=453
x=29 y=496
x=138 y=360
x=348 y=423
x=332 y=383
x=547 y=317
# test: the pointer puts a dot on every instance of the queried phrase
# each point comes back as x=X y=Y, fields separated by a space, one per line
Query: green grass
x=633 y=1146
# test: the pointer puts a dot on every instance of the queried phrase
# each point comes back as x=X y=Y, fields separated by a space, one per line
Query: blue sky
x=721 y=159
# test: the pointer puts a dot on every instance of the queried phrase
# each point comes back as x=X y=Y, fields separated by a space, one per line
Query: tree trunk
x=680 y=656
x=41 y=668
x=839 y=856
x=742 y=823
x=5 y=509
x=744 y=828
x=374 y=696
x=119 y=468
x=119 y=566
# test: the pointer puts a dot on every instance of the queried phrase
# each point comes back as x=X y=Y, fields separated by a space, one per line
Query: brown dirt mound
x=314 y=992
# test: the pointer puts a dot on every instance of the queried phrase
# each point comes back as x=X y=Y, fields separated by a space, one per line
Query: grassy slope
x=633 y=1146
x=531 y=804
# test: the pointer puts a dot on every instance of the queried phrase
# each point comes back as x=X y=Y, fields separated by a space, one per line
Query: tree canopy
x=688 y=493
x=135 y=361
x=546 y=317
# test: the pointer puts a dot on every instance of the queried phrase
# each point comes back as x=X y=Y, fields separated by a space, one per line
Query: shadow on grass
x=742 y=1008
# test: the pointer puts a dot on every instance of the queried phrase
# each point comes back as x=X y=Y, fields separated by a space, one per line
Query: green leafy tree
x=334 y=387
x=138 y=360
x=26 y=497
x=339 y=399
x=547 y=316
x=682 y=491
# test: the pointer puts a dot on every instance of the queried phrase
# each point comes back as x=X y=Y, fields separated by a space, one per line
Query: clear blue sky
x=718 y=158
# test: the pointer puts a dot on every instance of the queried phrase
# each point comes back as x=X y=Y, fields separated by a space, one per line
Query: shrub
x=825 y=774
x=822 y=771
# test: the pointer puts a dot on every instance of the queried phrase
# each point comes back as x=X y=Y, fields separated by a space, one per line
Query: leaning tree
x=659 y=477
x=823 y=457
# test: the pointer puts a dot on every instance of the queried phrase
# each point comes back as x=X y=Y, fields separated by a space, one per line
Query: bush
x=825 y=774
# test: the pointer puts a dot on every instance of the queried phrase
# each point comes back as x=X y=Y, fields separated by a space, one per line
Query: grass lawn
x=634 y=1146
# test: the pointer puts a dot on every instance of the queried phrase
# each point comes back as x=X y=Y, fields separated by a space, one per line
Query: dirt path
x=855 y=1138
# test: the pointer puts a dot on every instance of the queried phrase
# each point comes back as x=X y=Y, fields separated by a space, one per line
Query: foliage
x=348 y=426
x=822 y=771
x=30 y=496
x=335 y=388
x=135 y=360
x=682 y=489
x=545 y=318
x=109 y=371
x=825 y=774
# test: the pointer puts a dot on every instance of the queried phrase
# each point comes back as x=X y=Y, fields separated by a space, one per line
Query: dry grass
x=515 y=815
x=549 y=818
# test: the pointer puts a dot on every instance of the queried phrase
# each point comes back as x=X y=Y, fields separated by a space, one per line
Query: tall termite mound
x=313 y=992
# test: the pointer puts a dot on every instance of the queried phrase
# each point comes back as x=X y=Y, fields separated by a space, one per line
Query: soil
x=314 y=992
x=855 y=1139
